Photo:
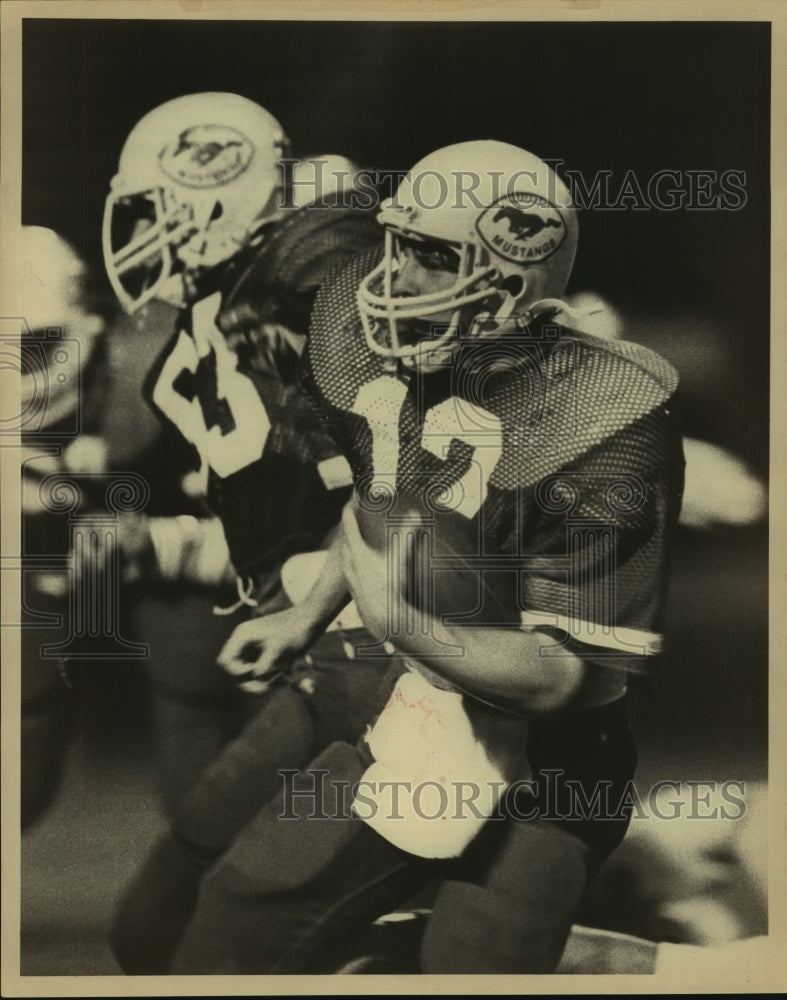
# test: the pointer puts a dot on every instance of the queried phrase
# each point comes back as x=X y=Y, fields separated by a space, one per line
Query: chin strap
x=488 y=325
x=594 y=308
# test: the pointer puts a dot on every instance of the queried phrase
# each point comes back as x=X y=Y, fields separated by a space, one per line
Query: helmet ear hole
x=514 y=284
x=218 y=211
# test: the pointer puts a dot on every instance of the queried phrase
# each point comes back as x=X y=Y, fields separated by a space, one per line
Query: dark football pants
x=328 y=697
x=47 y=713
x=517 y=891
x=292 y=892
x=195 y=708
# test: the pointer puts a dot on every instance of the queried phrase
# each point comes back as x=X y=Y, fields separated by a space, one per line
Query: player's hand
x=368 y=573
x=260 y=650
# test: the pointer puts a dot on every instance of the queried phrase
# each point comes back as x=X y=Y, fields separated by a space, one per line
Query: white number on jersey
x=380 y=402
x=454 y=419
x=240 y=441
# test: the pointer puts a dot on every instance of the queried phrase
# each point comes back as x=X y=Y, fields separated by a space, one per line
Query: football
x=441 y=560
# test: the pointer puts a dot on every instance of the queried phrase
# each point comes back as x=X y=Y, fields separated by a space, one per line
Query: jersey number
x=453 y=419
x=213 y=405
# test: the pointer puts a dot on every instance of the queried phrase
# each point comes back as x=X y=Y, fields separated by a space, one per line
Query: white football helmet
x=45 y=287
x=508 y=220
x=196 y=177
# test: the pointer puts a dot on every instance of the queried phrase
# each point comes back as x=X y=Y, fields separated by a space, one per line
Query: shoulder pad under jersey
x=586 y=396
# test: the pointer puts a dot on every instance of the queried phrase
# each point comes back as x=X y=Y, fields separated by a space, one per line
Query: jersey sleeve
x=279 y=285
x=599 y=536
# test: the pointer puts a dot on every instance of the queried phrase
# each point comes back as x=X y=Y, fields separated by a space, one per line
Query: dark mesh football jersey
x=559 y=453
x=228 y=383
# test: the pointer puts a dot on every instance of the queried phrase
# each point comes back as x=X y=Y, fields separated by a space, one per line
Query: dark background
x=599 y=96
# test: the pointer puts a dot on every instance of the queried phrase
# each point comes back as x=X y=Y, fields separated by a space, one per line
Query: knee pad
x=518 y=919
x=475 y=930
x=298 y=832
x=246 y=773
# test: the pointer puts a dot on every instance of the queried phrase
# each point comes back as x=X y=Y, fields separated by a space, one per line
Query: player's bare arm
x=501 y=665
x=262 y=648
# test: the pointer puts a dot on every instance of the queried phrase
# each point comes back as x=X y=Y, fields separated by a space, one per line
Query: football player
x=57 y=336
x=516 y=486
x=203 y=214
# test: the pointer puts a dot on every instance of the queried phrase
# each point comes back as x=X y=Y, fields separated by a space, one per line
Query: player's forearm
x=500 y=665
x=328 y=595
